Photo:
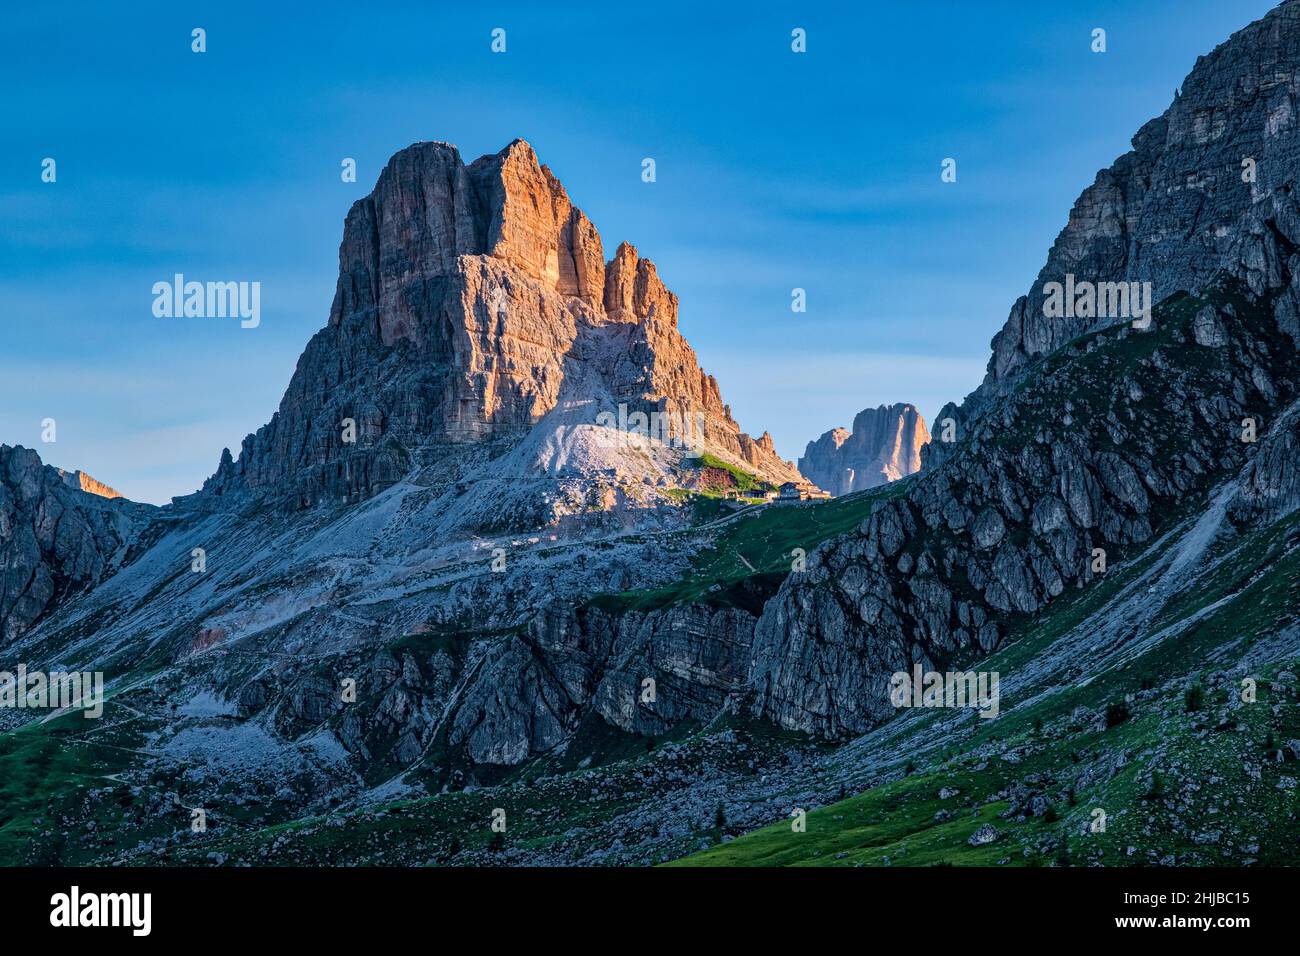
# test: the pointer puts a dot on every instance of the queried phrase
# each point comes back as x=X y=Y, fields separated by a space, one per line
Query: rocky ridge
x=999 y=525
x=1194 y=196
x=1080 y=459
x=56 y=539
x=84 y=482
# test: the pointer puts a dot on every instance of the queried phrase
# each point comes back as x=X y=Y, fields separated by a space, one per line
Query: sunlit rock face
x=884 y=445
x=84 y=482
x=472 y=300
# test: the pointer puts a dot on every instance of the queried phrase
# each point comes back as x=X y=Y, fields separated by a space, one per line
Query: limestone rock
x=1100 y=448
x=884 y=445
x=84 y=482
x=473 y=302
x=56 y=540
x=1208 y=185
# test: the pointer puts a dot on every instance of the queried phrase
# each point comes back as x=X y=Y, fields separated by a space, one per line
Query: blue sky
x=775 y=170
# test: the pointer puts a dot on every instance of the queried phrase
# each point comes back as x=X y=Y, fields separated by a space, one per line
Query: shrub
x=1157 y=787
x=1117 y=713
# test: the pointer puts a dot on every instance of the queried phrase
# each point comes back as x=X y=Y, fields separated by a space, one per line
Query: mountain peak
x=1173 y=210
x=884 y=445
x=472 y=301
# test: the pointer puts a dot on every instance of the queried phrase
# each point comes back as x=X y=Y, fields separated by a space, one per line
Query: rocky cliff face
x=643 y=672
x=1172 y=211
x=1087 y=433
x=884 y=445
x=1109 y=444
x=472 y=301
x=55 y=538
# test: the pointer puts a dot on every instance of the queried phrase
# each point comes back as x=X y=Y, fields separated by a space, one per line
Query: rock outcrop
x=84 y=482
x=472 y=301
x=642 y=672
x=1087 y=433
x=55 y=539
x=884 y=445
x=1177 y=208
x=1270 y=483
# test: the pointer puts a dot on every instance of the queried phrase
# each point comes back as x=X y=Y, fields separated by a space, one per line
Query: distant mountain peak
x=884 y=445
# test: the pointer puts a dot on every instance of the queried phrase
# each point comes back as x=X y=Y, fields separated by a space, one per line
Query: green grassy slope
x=761 y=543
x=1185 y=771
